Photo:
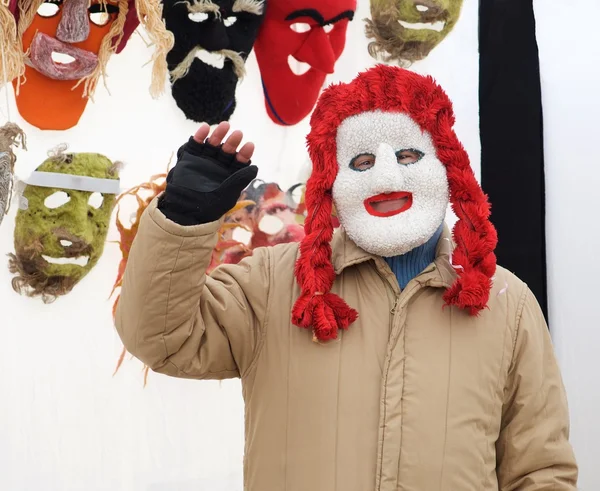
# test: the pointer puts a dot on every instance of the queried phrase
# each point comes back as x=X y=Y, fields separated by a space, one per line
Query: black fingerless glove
x=204 y=184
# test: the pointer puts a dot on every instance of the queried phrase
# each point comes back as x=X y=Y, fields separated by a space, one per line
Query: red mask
x=297 y=47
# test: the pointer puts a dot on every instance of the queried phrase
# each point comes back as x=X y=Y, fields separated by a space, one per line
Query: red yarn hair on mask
x=389 y=89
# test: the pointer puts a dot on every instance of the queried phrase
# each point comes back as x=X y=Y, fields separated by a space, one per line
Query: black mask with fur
x=213 y=39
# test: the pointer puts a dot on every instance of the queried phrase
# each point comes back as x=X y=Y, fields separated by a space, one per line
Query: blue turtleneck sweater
x=409 y=265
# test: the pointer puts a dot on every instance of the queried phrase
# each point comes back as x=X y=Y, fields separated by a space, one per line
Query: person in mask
x=389 y=354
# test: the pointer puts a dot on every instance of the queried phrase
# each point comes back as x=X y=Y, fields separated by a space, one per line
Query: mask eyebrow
x=312 y=13
x=202 y=6
x=348 y=14
x=318 y=18
x=255 y=7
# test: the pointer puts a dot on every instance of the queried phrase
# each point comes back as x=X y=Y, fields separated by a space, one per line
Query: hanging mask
x=10 y=136
x=297 y=47
x=265 y=216
x=62 y=223
x=212 y=42
x=405 y=31
x=68 y=44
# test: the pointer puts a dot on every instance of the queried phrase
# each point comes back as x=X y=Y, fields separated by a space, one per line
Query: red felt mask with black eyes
x=297 y=47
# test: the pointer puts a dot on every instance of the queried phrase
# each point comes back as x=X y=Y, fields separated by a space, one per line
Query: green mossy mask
x=405 y=31
x=60 y=235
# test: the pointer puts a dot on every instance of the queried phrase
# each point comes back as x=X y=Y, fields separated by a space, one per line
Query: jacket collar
x=345 y=253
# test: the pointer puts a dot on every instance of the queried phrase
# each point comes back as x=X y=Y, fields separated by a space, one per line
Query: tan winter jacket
x=412 y=397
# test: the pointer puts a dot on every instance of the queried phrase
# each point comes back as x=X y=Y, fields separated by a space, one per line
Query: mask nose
x=387 y=177
x=74 y=25
x=317 y=51
x=73 y=241
x=214 y=37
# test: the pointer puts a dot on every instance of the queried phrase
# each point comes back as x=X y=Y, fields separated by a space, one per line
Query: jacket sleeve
x=533 y=450
x=175 y=318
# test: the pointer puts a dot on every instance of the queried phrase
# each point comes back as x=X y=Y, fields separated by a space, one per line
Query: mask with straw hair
x=56 y=51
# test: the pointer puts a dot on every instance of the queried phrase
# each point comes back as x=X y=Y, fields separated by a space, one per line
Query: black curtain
x=512 y=157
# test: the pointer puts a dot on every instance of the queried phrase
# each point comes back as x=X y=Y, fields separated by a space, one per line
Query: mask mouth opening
x=216 y=60
x=427 y=26
x=75 y=252
x=297 y=67
x=61 y=58
x=81 y=261
x=388 y=204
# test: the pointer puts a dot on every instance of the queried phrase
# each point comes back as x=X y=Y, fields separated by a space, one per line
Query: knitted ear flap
x=316 y=308
x=475 y=236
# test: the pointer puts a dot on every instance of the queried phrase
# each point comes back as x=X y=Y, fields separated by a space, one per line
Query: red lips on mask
x=297 y=32
x=388 y=205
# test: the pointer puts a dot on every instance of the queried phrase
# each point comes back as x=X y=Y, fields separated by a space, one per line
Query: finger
x=202 y=133
x=245 y=153
x=220 y=131
x=231 y=144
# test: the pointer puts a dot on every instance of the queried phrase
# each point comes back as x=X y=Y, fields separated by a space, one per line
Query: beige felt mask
x=405 y=31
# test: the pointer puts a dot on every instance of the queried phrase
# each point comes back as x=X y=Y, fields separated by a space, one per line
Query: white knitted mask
x=391 y=192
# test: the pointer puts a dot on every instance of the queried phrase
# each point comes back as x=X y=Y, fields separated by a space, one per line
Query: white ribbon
x=62 y=181
x=76 y=183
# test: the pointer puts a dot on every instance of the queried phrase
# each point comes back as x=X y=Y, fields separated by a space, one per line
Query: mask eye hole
x=198 y=16
x=328 y=28
x=270 y=224
x=101 y=14
x=422 y=8
x=48 y=9
x=300 y=27
x=229 y=21
x=99 y=18
x=56 y=200
x=96 y=200
x=362 y=162
x=408 y=156
x=241 y=235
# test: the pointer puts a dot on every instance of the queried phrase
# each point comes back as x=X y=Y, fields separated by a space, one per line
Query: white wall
x=570 y=70
x=66 y=424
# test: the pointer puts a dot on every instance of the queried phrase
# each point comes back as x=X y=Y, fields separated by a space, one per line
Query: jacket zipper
x=393 y=311
x=395 y=307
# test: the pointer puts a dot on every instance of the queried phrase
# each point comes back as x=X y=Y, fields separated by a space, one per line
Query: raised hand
x=209 y=176
x=230 y=146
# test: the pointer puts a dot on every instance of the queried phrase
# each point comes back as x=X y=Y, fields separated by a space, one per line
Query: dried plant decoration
x=11 y=136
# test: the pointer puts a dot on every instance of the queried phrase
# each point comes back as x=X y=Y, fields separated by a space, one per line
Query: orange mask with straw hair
x=55 y=51
x=63 y=42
